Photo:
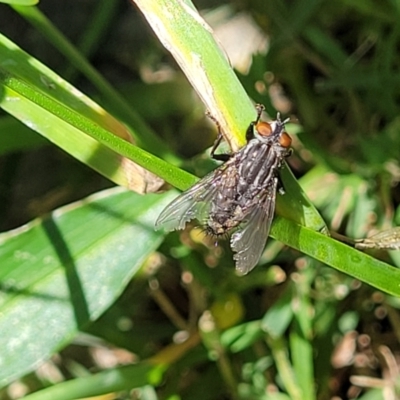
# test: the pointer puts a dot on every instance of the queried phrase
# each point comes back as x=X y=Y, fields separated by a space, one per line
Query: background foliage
x=94 y=302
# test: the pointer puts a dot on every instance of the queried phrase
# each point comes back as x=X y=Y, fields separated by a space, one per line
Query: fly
x=238 y=196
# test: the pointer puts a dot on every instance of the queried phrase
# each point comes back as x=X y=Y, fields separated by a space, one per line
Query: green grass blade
x=188 y=37
x=301 y=335
x=338 y=255
x=144 y=136
x=21 y=2
x=119 y=379
x=190 y=40
x=22 y=137
x=49 y=105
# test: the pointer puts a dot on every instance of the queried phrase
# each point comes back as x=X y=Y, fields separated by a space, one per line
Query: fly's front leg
x=219 y=157
x=281 y=188
x=289 y=153
x=260 y=108
x=250 y=130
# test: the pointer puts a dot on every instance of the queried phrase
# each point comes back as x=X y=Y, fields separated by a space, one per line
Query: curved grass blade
x=190 y=39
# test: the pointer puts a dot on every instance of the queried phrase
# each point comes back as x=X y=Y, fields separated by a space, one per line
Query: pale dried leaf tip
x=388 y=239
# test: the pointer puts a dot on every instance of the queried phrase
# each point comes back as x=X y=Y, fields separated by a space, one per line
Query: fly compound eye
x=264 y=129
x=285 y=140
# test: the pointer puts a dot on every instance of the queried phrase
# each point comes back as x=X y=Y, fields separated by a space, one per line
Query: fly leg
x=249 y=133
x=281 y=188
x=250 y=130
x=219 y=157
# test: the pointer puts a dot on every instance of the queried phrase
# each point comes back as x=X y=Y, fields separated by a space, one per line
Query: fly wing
x=194 y=203
x=249 y=240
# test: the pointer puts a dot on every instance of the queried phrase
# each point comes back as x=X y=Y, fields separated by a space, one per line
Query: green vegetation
x=94 y=302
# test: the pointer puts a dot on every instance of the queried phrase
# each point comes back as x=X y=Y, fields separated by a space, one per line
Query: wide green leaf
x=61 y=272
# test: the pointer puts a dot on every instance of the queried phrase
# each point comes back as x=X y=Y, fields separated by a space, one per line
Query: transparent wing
x=194 y=203
x=249 y=240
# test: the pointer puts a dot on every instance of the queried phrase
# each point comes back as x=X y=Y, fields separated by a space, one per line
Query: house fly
x=239 y=195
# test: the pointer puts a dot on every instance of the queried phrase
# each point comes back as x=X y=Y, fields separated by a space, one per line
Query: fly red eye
x=285 y=140
x=264 y=129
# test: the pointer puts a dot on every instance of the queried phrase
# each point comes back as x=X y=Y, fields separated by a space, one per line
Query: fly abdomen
x=224 y=216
